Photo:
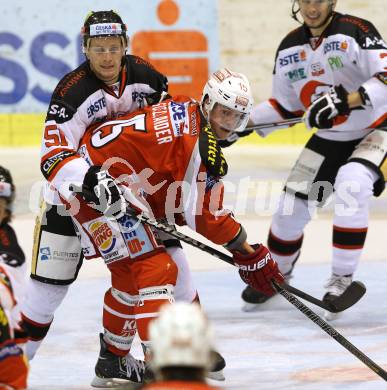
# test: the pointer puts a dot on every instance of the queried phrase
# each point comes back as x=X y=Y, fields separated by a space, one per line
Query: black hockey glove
x=100 y=190
x=322 y=111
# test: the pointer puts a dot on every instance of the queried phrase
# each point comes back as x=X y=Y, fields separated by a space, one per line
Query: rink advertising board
x=40 y=42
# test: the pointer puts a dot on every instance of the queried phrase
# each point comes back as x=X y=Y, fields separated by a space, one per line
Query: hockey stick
x=331 y=331
x=346 y=300
x=352 y=294
x=287 y=122
x=280 y=288
x=283 y=289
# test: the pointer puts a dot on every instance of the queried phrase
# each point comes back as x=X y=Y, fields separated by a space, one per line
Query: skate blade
x=216 y=375
x=114 y=383
x=328 y=316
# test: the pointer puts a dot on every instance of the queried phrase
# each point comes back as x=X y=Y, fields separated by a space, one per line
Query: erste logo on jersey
x=102 y=236
x=293 y=58
x=336 y=46
x=96 y=106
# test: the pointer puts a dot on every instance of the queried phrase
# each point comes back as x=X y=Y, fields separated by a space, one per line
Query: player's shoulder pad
x=296 y=37
x=363 y=31
x=72 y=90
x=211 y=153
x=141 y=71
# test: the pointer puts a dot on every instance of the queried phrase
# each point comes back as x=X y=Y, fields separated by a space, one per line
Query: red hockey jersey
x=169 y=154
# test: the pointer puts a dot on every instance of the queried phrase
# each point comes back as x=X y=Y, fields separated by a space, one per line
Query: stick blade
x=349 y=297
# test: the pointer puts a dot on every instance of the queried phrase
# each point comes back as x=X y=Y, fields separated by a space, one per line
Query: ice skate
x=218 y=364
x=253 y=298
x=112 y=371
x=335 y=286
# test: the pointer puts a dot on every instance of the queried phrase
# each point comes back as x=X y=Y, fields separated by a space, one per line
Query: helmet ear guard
x=229 y=89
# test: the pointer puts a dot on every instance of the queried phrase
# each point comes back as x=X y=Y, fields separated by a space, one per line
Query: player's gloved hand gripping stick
x=356 y=292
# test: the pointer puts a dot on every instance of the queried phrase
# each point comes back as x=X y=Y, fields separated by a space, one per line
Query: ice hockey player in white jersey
x=333 y=68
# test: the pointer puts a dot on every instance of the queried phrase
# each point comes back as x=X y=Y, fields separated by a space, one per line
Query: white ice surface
x=276 y=347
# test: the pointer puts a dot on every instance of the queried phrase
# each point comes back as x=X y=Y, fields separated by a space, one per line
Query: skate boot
x=254 y=298
x=217 y=365
x=112 y=371
x=335 y=286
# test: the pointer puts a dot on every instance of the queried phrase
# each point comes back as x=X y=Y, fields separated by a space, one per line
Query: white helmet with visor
x=232 y=91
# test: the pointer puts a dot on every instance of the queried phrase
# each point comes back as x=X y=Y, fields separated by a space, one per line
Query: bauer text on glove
x=258 y=269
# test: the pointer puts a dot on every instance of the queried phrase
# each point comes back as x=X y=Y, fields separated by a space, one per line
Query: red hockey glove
x=258 y=269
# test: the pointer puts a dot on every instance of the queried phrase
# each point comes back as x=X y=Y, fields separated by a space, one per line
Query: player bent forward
x=169 y=153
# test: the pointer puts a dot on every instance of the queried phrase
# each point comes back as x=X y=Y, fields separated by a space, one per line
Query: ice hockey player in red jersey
x=334 y=68
x=182 y=340
x=169 y=157
x=13 y=362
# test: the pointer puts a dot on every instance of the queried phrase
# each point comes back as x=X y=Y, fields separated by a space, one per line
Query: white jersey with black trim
x=80 y=100
x=350 y=52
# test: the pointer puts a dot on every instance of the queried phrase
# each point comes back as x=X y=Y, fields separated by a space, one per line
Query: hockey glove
x=258 y=269
x=322 y=111
x=100 y=190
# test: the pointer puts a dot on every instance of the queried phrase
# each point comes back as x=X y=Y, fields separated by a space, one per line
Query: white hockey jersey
x=81 y=99
x=350 y=52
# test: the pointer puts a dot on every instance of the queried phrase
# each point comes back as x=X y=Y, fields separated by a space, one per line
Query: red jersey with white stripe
x=350 y=52
x=160 y=151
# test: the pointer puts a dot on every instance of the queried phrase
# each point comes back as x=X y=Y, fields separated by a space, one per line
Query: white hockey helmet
x=181 y=336
x=230 y=89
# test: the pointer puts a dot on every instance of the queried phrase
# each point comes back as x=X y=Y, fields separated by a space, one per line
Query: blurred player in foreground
x=182 y=340
x=13 y=363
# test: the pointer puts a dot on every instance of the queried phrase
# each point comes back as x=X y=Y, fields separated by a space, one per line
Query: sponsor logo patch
x=294 y=58
x=335 y=63
x=102 y=236
x=317 y=69
x=296 y=75
x=336 y=46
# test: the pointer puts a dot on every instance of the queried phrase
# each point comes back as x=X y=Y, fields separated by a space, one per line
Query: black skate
x=252 y=298
x=112 y=371
x=217 y=365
